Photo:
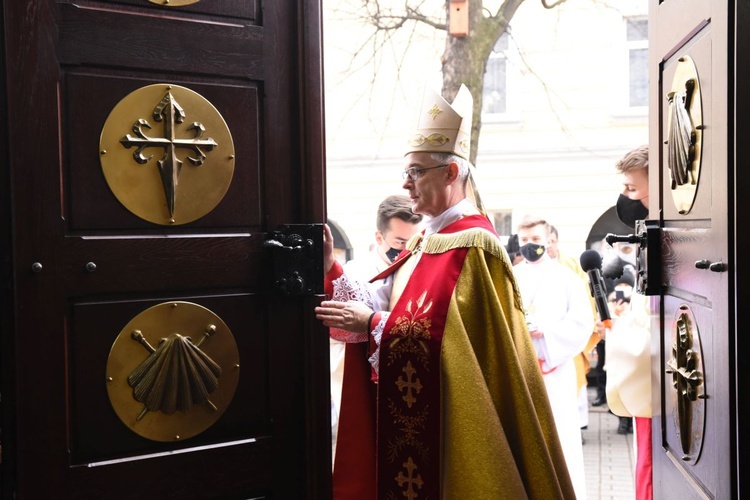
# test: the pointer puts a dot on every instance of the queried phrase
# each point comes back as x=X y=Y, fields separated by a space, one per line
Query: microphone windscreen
x=590 y=260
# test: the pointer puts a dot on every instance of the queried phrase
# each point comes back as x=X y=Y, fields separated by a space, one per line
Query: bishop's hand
x=349 y=316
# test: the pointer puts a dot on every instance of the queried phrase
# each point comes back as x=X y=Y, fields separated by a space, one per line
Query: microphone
x=591 y=262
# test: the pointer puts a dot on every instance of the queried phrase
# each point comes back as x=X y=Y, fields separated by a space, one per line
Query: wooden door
x=80 y=263
x=696 y=62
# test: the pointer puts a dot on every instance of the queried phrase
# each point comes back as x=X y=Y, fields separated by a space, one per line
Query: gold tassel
x=414 y=242
x=473 y=237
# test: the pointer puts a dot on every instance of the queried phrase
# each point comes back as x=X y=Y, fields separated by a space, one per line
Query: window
x=502 y=220
x=637 y=39
x=495 y=78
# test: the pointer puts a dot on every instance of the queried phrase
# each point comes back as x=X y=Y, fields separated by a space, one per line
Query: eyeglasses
x=414 y=173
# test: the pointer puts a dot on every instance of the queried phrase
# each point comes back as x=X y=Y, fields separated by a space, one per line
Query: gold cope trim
x=167 y=154
x=684 y=134
x=174 y=3
x=689 y=394
x=172 y=371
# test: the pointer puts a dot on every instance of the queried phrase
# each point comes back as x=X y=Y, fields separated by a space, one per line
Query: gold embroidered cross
x=408 y=384
x=410 y=480
x=434 y=111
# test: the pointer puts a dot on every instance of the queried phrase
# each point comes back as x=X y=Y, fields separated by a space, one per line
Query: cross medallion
x=169 y=111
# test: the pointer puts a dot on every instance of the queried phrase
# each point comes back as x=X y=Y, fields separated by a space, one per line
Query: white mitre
x=442 y=127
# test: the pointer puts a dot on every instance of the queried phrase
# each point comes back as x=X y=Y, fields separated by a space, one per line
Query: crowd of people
x=459 y=363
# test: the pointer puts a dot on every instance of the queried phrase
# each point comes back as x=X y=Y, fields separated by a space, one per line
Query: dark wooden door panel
x=222 y=472
x=685 y=242
x=698 y=48
x=242 y=9
x=100 y=35
x=713 y=432
x=97 y=434
x=91 y=205
x=136 y=264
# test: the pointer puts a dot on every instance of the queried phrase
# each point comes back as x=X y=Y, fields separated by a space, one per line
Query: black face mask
x=392 y=253
x=532 y=252
x=629 y=211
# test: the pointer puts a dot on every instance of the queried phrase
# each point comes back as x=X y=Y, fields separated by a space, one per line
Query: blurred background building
x=565 y=96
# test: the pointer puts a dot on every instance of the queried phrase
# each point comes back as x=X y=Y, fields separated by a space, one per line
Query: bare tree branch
x=464 y=59
x=547 y=6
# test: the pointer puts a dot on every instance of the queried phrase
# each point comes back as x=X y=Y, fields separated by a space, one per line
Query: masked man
x=629 y=342
x=582 y=361
x=560 y=322
x=462 y=409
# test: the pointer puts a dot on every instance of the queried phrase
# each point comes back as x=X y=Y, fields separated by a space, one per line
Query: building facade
x=566 y=95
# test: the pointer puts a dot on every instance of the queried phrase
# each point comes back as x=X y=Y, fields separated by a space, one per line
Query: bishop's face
x=429 y=189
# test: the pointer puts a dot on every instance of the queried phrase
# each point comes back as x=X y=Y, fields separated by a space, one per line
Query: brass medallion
x=167 y=154
x=686 y=368
x=174 y=3
x=684 y=134
x=172 y=371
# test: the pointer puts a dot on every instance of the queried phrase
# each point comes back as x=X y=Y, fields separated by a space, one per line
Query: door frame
x=310 y=208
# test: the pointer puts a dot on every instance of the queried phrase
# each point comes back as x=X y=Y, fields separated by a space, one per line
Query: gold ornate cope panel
x=167 y=154
x=684 y=134
x=686 y=368
x=172 y=371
